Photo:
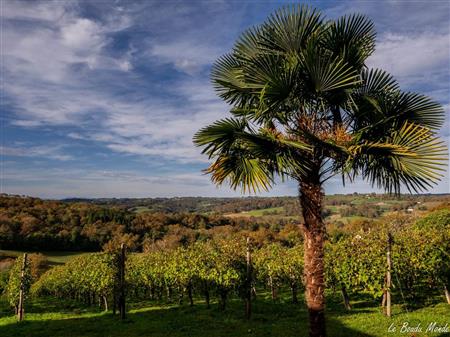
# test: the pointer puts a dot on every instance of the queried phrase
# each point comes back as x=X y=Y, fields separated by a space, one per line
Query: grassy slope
x=51 y=318
x=260 y=212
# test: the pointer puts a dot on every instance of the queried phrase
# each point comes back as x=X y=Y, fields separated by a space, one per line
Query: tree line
x=35 y=224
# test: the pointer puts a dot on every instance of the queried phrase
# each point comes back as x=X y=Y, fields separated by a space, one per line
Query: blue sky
x=101 y=98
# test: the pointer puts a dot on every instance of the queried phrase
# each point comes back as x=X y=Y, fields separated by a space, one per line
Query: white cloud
x=186 y=55
x=47 y=50
x=81 y=34
x=55 y=86
x=45 y=10
x=413 y=55
x=75 y=135
x=144 y=127
x=51 y=152
x=125 y=65
x=72 y=182
x=399 y=16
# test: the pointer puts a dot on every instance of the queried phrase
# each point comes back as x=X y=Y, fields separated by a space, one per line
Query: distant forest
x=143 y=224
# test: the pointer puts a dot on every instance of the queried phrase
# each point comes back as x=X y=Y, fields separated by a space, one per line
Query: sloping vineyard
x=217 y=270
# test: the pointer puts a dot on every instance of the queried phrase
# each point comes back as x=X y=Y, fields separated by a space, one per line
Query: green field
x=261 y=212
x=54 y=257
x=272 y=211
x=55 y=318
x=141 y=209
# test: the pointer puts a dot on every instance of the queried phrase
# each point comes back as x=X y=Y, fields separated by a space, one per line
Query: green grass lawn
x=54 y=257
x=54 y=318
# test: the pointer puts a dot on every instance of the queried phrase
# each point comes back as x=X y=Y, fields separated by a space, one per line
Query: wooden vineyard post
x=388 y=276
x=122 y=282
x=115 y=292
x=20 y=310
x=272 y=288
x=248 y=290
x=447 y=294
x=347 y=304
x=114 y=299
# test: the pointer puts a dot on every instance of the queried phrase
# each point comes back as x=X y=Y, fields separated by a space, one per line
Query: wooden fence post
x=388 y=275
x=122 y=282
x=20 y=311
x=248 y=290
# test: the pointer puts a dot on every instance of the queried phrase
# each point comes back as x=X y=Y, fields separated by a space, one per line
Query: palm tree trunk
x=311 y=197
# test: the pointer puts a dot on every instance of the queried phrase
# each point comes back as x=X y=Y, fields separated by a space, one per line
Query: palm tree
x=306 y=107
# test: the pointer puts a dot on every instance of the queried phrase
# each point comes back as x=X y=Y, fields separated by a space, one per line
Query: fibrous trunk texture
x=311 y=197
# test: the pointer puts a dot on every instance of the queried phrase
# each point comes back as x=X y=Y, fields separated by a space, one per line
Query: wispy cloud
x=187 y=56
x=57 y=46
x=130 y=80
x=58 y=183
x=58 y=85
x=50 y=152
x=184 y=55
x=414 y=57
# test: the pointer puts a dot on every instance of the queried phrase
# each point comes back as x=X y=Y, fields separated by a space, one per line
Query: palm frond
x=288 y=29
x=419 y=109
x=273 y=78
x=364 y=103
x=249 y=159
x=248 y=46
x=412 y=157
x=249 y=174
x=228 y=80
x=284 y=156
x=375 y=82
x=326 y=72
x=351 y=38
x=387 y=110
x=220 y=137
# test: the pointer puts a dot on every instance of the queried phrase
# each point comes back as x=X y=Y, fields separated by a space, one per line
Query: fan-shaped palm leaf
x=352 y=38
x=288 y=30
x=412 y=156
x=327 y=72
x=232 y=142
x=376 y=114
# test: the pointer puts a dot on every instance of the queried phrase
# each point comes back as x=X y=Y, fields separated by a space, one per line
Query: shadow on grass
x=180 y=321
x=51 y=317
